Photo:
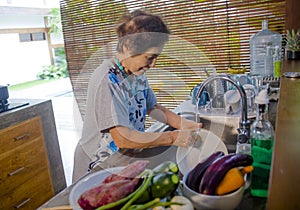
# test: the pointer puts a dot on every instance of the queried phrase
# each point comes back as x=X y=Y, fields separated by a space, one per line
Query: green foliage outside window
x=59 y=69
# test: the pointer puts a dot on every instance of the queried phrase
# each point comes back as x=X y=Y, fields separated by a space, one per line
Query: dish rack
x=273 y=82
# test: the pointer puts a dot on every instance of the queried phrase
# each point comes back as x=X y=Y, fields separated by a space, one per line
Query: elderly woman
x=119 y=98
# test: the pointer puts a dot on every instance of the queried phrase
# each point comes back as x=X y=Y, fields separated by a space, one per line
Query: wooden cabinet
x=25 y=179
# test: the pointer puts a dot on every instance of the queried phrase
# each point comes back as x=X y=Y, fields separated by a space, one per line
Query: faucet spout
x=244 y=125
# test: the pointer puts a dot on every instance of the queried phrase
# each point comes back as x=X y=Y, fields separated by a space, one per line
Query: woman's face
x=139 y=64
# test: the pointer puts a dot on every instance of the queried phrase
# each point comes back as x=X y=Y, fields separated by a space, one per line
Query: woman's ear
x=124 y=48
x=126 y=51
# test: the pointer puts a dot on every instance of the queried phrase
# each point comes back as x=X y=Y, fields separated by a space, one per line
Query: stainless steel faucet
x=244 y=127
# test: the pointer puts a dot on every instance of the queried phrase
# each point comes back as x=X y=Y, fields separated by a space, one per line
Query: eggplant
x=217 y=170
x=195 y=175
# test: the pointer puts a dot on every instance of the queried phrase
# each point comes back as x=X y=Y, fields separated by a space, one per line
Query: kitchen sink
x=222 y=126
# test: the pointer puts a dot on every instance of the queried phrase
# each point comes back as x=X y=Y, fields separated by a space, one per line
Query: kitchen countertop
x=284 y=190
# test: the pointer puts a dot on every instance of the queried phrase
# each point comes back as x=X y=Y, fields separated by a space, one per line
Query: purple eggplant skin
x=217 y=170
x=195 y=175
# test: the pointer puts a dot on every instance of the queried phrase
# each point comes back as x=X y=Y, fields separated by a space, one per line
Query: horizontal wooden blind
x=206 y=34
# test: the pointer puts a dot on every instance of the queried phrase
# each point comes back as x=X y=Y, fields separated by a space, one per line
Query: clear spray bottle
x=262 y=141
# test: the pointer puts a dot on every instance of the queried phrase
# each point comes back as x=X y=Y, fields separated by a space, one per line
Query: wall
x=292 y=14
x=21 y=61
x=30 y=3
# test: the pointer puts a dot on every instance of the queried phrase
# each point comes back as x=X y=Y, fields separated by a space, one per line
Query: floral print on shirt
x=136 y=105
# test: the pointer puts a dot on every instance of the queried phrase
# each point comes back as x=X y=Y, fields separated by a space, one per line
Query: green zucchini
x=167 y=166
x=164 y=184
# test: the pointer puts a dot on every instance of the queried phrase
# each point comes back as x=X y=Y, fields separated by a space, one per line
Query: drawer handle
x=16 y=171
x=22 y=203
x=24 y=136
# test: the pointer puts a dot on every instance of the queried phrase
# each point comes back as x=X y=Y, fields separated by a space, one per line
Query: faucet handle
x=243 y=142
x=243 y=136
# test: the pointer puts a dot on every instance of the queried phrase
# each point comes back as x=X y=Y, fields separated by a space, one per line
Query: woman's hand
x=184 y=138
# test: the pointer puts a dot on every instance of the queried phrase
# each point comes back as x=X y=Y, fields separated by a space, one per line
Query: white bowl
x=87 y=183
x=207 y=143
x=213 y=202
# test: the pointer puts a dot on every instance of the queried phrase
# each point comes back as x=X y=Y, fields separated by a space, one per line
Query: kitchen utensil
x=206 y=144
x=232 y=101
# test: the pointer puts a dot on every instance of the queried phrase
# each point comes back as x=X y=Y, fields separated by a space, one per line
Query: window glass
x=40 y=36
x=25 y=37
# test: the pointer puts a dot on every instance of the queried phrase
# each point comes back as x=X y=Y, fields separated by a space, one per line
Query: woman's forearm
x=132 y=139
x=164 y=115
x=126 y=138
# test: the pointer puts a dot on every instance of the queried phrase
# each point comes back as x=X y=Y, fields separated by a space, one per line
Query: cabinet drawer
x=19 y=134
x=29 y=195
x=21 y=164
